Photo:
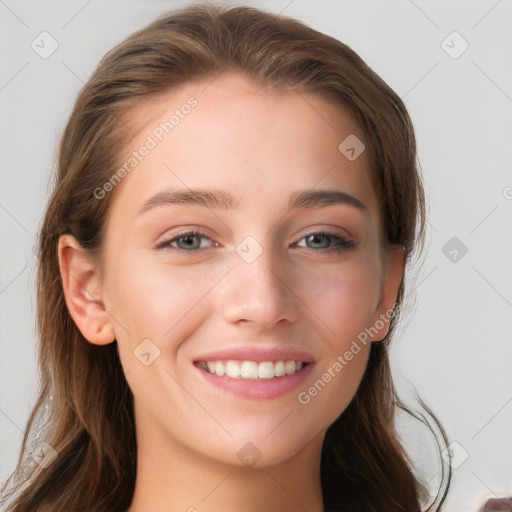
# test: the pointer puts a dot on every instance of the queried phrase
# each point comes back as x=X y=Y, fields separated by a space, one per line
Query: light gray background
x=455 y=345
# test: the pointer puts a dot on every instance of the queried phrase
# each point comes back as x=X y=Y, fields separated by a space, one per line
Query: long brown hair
x=84 y=408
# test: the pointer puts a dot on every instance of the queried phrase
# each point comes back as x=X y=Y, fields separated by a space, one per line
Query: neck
x=172 y=478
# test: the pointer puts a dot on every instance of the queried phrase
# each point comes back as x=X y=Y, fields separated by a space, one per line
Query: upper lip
x=258 y=354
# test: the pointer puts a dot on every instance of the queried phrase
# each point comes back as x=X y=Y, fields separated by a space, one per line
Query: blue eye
x=187 y=238
x=190 y=241
x=321 y=237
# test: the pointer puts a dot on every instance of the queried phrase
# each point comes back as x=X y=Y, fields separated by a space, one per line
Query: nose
x=260 y=292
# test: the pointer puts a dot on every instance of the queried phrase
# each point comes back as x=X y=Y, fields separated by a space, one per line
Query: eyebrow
x=219 y=199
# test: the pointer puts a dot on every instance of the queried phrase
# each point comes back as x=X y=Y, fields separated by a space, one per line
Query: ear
x=81 y=283
x=393 y=271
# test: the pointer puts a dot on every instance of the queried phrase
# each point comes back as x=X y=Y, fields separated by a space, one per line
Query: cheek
x=151 y=298
x=345 y=302
x=344 y=298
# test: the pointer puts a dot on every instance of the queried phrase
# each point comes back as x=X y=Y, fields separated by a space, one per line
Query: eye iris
x=321 y=237
x=188 y=238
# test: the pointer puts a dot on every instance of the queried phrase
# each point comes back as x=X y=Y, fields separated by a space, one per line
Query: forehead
x=232 y=95
x=228 y=132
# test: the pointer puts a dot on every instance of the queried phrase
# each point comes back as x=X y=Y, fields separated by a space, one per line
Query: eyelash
x=343 y=244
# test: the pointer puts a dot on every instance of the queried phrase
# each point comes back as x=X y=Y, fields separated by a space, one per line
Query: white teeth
x=219 y=368
x=232 y=369
x=251 y=369
x=290 y=367
x=266 y=370
x=279 y=369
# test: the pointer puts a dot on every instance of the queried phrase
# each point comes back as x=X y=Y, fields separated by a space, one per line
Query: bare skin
x=259 y=146
x=498 y=504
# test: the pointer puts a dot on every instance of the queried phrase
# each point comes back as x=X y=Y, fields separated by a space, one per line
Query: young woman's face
x=244 y=272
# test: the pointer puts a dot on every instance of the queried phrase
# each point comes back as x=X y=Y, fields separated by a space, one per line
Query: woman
x=221 y=267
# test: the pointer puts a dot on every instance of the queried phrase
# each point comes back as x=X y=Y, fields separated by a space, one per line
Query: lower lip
x=258 y=389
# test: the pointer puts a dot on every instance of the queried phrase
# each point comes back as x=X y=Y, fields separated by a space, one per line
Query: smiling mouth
x=251 y=369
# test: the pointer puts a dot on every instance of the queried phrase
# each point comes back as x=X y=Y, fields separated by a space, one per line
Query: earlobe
x=393 y=274
x=81 y=284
